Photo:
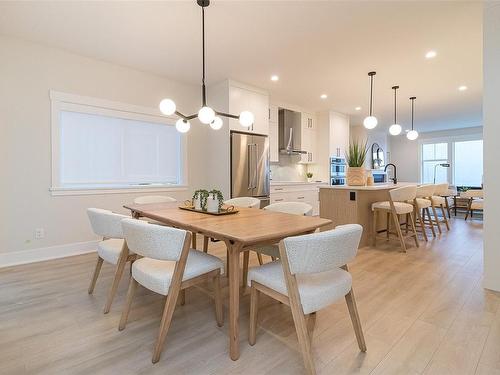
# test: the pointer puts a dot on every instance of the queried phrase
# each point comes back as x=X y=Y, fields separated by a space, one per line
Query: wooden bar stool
x=421 y=205
x=440 y=202
x=397 y=206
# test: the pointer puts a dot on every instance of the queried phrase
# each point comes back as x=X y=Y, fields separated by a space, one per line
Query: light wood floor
x=422 y=312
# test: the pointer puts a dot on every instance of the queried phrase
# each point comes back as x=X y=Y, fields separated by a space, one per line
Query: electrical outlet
x=39 y=233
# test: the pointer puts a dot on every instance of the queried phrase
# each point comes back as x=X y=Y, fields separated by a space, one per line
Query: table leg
x=455 y=204
x=234 y=249
x=447 y=207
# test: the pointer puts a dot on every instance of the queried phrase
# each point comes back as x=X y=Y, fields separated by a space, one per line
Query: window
x=113 y=146
x=464 y=154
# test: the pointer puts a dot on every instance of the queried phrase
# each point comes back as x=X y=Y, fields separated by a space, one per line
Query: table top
x=248 y=226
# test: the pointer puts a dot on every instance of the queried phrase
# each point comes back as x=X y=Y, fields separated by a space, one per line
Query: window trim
x=63 y=101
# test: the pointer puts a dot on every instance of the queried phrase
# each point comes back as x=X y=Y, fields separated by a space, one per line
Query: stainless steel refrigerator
x=250 y=166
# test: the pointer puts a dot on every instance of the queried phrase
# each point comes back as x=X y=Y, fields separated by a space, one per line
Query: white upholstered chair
x=310 y=275
x=168 y=267
x=476 y=201
x=145 y=199
x=112 y=249
x=421 y=205
x=440 y=202
x=396 y=206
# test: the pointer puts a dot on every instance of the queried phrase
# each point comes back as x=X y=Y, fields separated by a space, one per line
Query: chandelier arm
x=227 y=115
x=190 y=117
x=181 y=115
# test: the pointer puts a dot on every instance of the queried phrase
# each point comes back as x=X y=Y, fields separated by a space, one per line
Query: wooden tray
x=224 y=211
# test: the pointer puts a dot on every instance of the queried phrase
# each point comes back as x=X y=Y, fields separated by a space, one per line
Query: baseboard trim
x=40 y=254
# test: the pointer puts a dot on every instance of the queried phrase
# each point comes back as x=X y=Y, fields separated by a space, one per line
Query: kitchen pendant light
x=412 y=134
x=395 y=128
x=206 y=114
x=370 y=121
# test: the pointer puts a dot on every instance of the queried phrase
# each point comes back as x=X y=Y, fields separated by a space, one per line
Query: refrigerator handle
x=256 y=149
x=249 y=155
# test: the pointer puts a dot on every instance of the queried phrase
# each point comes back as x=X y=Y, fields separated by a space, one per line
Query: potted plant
x=309 y=176
x=200 y=199
x=355 y=158
x=214 y=201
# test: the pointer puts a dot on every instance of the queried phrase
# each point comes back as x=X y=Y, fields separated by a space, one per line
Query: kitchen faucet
x=395 y=179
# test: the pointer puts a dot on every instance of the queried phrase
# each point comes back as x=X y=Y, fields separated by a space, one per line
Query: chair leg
x=388 y=224
x=246 y=258
x=415 y=236
x=356 y=322
x=219 y=312
x=445 y=218
x=97 y=270
x=374 y=229
x=182 y=297
x=407 y=224
x=254 y=308
x=259 y=257
x=398 y=230
x=436 y=219
x=422 y=224
x=166 y=319
x=193 y=239
x=303 y=335
x=132 y=287
x=205 y=244
x=116 y=281
x=430 y=221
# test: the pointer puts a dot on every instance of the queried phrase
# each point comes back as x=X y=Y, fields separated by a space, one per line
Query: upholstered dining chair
x=294 y=208
x=440 y=202
x=476 y=201
x=310 y=275
x=167 y=267
x=421 y=203
x=112 y=249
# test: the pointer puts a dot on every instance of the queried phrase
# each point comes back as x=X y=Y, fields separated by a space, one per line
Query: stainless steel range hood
x=289 y=132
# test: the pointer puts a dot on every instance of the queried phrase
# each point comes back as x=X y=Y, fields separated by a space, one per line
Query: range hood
x=289 y=132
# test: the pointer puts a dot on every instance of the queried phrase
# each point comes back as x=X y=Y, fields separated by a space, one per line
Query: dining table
x=240 y=231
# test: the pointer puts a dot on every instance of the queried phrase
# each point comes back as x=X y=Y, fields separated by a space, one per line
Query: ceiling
x=315 y=47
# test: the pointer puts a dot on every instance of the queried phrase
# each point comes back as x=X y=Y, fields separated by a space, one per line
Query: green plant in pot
x=200 y=199
x=215 y=200
x=355 y=158
x=309 y=176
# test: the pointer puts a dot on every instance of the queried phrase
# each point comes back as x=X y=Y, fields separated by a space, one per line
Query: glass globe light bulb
x=412 y=135
x=167 y=107
x=217 y=123
x=246 y=119
x=206 y=115
x=395 y=129
x=370 y=122
x=182 y=125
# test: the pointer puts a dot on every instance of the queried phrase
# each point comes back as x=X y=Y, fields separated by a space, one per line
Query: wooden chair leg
x=182 y=297
x=398 y=230
x=273 y=258
x=205 y=244
x=430 y=221
x=97 y=270
x=388 y=224
x=303 y=335
x=219 y=312
x=166 y=319
x=254 y=308
x=259 y=258
x=407 y=224
x=246 y=257
x=356 y=323
x=415 y=236
x=436 y=219
x=374 y=229
x=445 y=218
x=132 y=287
x=116 y=281
x=422 y=224
x=193 y=239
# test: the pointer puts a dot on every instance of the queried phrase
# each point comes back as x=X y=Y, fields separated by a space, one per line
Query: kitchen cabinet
x=273 y=134
x=247 y=98
x=308 y=138
x=339 y=134
x=299 y=192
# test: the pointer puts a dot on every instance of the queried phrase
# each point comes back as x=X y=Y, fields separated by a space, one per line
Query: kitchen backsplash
x=288 y=169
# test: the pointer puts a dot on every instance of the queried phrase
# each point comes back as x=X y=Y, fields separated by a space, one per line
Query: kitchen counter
x=284 y=183
x=353 y=204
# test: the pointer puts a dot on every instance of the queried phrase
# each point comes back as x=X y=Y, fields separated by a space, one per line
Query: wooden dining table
x=241 y=231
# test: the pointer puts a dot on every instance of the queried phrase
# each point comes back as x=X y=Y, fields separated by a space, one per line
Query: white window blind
x=97 y=150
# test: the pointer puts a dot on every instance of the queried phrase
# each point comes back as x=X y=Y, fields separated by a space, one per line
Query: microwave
x=379 y=176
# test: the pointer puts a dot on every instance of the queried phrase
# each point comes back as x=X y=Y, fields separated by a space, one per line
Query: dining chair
x=168 y=266
x=294 y=208
x=310 y=275
x=421 y=205
x=440 y=202
x=145 y=199
x=476 y=201
x=396 y=206
x=112 y=249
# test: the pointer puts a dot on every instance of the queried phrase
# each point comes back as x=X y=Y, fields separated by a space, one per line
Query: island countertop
x=387 y=186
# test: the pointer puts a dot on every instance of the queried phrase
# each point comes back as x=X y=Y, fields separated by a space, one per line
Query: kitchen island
x=353 y=204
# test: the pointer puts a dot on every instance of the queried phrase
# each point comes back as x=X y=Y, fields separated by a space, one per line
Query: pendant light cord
x=203 y=89
x=371 y=94
x=395 y=106
x=412 y=110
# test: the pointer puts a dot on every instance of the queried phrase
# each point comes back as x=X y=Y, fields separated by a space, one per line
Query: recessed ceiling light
x=430 y=54
x=275 y=78
x=323 y=96
x=462 y=88
x=358 y=108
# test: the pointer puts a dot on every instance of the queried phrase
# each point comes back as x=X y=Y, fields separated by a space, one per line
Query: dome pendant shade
x=370 y=122
x=412 y=135
x=395 y=129
x=206 y=114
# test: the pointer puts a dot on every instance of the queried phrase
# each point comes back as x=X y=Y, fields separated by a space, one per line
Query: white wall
x=28 y=71
x=405 y=153
x=491 y=114
x=360 y=133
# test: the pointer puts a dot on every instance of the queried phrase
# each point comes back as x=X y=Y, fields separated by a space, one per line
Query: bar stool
x=439 y=202
x=396 y=206
x=421 y=203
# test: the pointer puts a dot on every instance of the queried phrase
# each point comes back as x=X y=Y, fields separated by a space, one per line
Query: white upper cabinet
x=247 y=98
x=308 y=138
x=339 y=134
x=273 y=134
